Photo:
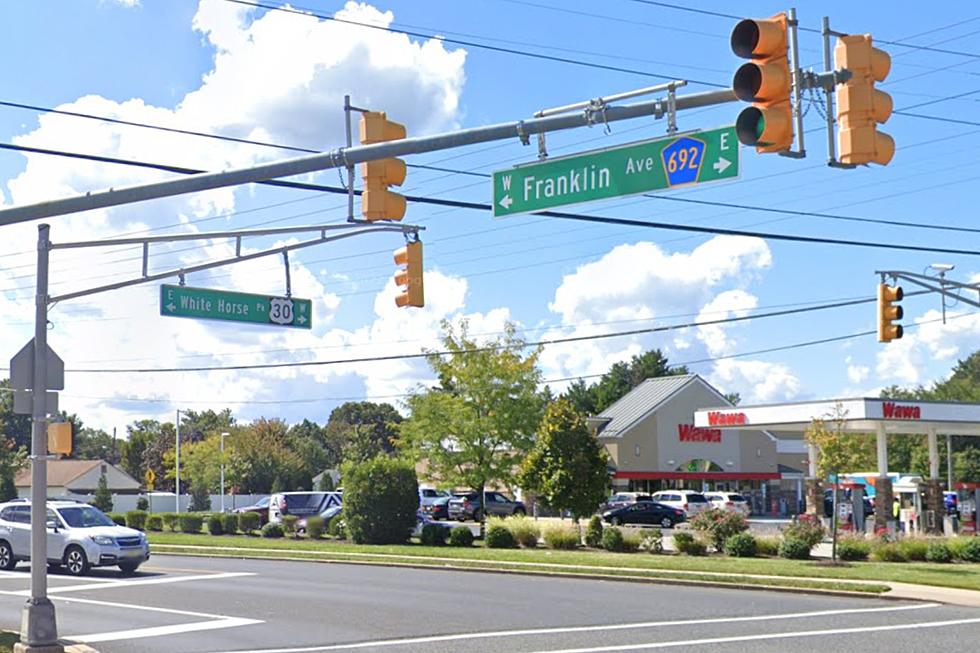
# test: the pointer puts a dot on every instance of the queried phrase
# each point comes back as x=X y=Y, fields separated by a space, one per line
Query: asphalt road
x=199 y=605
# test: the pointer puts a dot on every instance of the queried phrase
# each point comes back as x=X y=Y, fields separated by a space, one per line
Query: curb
x=69 y=647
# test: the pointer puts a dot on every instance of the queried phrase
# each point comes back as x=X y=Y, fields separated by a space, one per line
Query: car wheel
x=615 y=521
x=76 y=562
x=667 y=522
x=7 y=560
x=128 y=567
x=477 y=515
x=519 y=512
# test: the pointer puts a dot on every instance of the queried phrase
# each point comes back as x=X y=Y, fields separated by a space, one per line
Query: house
x=78 y=477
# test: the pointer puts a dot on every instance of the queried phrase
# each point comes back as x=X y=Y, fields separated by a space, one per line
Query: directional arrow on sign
x=171 y=307
x=301 y=320
x=721 y=165
x=506 y=202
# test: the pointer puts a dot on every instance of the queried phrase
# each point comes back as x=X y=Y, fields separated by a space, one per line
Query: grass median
x=775 y=572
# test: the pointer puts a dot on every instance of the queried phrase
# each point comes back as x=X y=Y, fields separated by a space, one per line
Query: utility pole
x=178 y=461
x=223 y=436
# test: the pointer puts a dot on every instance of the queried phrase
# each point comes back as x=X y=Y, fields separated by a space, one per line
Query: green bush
x=498 y=537
x=560 y=536
x=229 y=523
x=612 y=539
x=938 y=551
x=337 y=528
x=117 y=517
x=806 y=528
x=696 y=548
x=652 y=541
x=136 y=519
x=381 y=499
x=289 y=525
x=682 y=540
x=249 y=522
x=142 y=503
x=795 y=548
x=970 y=551
x=631 y=542
x=887 y=552
x=315 y=527
x=215 y=526
x=461 y=536
x=740 y=545
x=767 y=546
x=272 y=531
x=593 y=532
x=170 y=520
x=914 y=548
x=719 y=525
x=524 y=530
x=434 y=535
x=190 y=523
x=853 y=548
x=154 y=523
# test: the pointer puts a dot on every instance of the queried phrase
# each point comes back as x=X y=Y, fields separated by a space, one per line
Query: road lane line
x=139 y=582
x=579 y=629
x=764 y=636
x=156 y=631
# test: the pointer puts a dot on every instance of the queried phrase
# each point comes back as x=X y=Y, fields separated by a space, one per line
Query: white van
x=301 y=504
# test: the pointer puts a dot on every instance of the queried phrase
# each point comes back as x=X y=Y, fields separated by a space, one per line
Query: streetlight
x=223 y=436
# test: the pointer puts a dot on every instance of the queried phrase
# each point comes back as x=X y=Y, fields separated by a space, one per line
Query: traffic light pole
x=943 y=286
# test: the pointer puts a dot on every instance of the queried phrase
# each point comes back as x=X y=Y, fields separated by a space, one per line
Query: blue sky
x=272 y=76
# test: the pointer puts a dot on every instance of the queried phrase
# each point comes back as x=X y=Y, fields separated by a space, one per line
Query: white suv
x=728 y=501
x=687 y=500
x=79 y=537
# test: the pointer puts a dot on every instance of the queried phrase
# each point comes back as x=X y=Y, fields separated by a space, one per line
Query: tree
x=12 y=460
x=567 y=467
x=381 y=498
x=103 y=498
x=309 y=442
x=361 y=430
x=966 y=465
x=260 y=459
x=150 y=445
x=13 y=425
x=837 y=452
x=95 y=444
x=477 y=425
x=195 y=426
x=618 y=381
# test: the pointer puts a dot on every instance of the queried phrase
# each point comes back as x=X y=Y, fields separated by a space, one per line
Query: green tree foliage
x=12 y=425
x=95 y=444
x=12 y=459
x=308 y=440
x=103 y=498
x=260 y=459
x=195 y=426
x=567 y=468
x=381 y=498
x=478 y=424
x=360 y=430
x=618 y=381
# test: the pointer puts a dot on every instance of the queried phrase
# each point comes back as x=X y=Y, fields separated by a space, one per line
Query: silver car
x=79 y=537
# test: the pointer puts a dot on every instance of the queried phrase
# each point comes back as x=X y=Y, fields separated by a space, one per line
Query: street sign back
x=694 y=158
x=207 y=304
x=22 y=369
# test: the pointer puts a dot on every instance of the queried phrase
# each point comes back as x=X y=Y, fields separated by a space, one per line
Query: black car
x=438 y=509
x=469 y=506
x=645 y=512
x=622 y=499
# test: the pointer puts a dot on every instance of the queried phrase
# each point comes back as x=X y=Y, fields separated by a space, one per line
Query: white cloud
x=904 y=361
x=756 y=381
x=856 y=373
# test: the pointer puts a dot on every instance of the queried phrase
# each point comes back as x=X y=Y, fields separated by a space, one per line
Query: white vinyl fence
x=167 y=501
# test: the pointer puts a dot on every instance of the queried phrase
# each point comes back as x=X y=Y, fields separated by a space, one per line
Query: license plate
x=135 y=553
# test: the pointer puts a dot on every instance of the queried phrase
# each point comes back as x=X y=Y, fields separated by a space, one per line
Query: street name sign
x=694 y=158
x=207 y=304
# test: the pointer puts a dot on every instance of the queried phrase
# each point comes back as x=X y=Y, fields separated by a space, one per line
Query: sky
x=279 y=77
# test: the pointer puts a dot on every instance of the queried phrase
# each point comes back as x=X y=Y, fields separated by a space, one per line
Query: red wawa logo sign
x=891 y=410
x=691 y=433
x=716 y=418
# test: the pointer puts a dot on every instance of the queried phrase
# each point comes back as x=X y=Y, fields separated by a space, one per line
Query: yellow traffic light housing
x=860 y=106
x=60 y=438
x=765 y=81
x=409 y=278
x=377 y=202
x=888 y=312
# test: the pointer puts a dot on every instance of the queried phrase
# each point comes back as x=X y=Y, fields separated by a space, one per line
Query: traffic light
x=888 y=312
x=377 y=202
x=765 y=82
x=410 y=276
x=60 y=438
x=860 y=106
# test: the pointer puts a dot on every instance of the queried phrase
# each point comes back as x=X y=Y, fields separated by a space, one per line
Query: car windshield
x=696 y=498
x=85 y=517
x=304 y=500
x=262 y=503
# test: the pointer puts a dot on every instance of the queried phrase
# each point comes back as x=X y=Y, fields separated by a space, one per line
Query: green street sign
x=207 y=304
x=694 y=158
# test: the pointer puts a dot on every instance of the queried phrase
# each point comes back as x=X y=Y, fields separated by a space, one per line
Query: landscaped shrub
x=498 y=537
x=696 y=548
x=461 y=536
x=914 y=548
x=631 y=542
x=524 y=530
x=117 y=517
x=434 y=535
x=271 y=530
x=249 y=522
x=315 y=527
x=719 y=525
x=970 y=551
x=136 y=519
x=767 y=546
x=560 y=536
x=215 y=527
x=169 y=520
x=887 y=552
x=190 y=523
x=593 y=532
x=795 y=548
x=154 y=523
x=381 y=499
x=229 y=523
x=142 y=503
x=289 y=525
x=652 y=541
x=740 y=545
x=939 y=552
x=612 y=539
x=853 y=548
x=806 y=528
x=682 y=539
x=337 y=528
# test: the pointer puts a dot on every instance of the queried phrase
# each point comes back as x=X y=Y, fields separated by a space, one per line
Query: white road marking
x=156 y=631
x=137 y=582
x=577 y=629
x=763 y=636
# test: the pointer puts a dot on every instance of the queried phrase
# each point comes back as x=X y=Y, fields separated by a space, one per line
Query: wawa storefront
x=654 y=444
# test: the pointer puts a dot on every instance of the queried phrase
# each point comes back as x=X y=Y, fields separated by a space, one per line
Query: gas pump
x=968 y=495
x=845 y=511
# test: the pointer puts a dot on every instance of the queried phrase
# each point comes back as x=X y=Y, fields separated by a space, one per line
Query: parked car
x=327 y=514
x=468 y=506
x=421 y=520
x=301 y=504
x=645 y=512
x=80 y=537
x=728 y=501
x=689 y=501
x=260 y=507
x=438 y=509
x=429 y=495
x=621 y=499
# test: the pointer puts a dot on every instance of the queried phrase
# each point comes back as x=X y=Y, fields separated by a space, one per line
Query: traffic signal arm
x=409 y=278
x=888 y=312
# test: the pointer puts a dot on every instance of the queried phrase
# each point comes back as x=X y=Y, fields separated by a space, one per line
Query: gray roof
x=640 y=401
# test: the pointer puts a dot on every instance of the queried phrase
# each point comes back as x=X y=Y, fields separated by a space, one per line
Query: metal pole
x=949 y=462
x=39 y=627
x=829 y=96
x=223 y=435
x=178 y=462
x=933 y=455
x=797 y=82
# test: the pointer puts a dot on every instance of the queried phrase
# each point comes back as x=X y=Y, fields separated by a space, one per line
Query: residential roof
x=60 y=472
x=640 y=401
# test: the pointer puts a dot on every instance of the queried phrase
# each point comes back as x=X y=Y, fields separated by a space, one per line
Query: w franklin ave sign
x=207 y=304
x=694 y=158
